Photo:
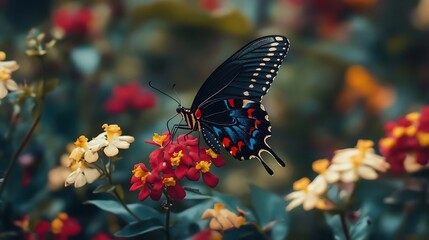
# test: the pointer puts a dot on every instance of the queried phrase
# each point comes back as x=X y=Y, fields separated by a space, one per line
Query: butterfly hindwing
x=241 y=126
x=247 y=74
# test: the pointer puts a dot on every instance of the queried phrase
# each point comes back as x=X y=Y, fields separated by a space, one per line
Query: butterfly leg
x=176 y=127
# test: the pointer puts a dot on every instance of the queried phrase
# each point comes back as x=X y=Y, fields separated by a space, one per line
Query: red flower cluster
x=61 y=228
x=406 y=146
x=172 y=161
x=127 y=96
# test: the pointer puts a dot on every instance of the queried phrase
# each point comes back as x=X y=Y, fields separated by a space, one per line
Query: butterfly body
x=227 y=109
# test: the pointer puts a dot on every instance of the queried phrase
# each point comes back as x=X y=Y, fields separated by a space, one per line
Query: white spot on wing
x=246 y=93
x=266 y=117
x=262 y=64
x=269 y=128
x=262 y=107
x=258 y=69
x=253 y=80
x=266 y=59
x=279 y=38
x=270 y=54
x=251 y=86
x=274 y=44
x=264 y=88
x=255 y=74
x=268 y=76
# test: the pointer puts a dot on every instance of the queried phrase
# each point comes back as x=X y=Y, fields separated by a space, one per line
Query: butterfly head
x=179 y=109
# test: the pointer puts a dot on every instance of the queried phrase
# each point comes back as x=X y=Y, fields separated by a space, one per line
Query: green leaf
x=120 y=191
x=270 y=211
x=139 y=228
x=233 y=22
x=104 y=188
x=142 y=211
x=195 y=195
x=358 y=231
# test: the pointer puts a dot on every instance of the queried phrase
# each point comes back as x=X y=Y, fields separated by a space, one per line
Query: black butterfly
x=227 y=109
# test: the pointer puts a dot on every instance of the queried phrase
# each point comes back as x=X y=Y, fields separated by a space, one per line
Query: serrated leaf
x=140 y=228
x=270 y=210
x=142 y=211
x=233 y=22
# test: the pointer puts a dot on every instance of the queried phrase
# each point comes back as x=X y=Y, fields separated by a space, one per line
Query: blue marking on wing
x=256 y=131
x=252 y=143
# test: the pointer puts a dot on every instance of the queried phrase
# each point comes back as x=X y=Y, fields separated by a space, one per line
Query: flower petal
x=349 y=176
x=144 y=193
x=111 y=150
x=11 y=85
x=209 y=213
x=3 y=90
x=91 y=174
x=210 y=179
x=367 y=173
x=90 y=156
x=295 y=203
x=80 y=180
x=71 y=178
x=120 y=144
x=310 y=201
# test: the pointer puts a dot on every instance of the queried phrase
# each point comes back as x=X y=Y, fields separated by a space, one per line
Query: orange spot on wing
x=231 y=102
x=240 y=144
x=257 y=122
x=234 y=151
x=226 y=142
x=250 y=112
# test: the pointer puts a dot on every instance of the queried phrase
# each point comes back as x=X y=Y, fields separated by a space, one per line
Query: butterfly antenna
x=150 y=84
x=175 y=93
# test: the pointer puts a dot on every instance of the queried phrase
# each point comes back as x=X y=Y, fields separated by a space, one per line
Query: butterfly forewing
x=246 y=74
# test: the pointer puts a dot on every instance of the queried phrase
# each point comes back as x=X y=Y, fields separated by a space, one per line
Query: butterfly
x=227 y=109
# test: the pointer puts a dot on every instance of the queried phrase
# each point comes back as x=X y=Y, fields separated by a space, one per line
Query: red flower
x=406 y=145
x=61 y=228
x=73 y=20
x=171 y=162
x=210 y=5
x=131 y=96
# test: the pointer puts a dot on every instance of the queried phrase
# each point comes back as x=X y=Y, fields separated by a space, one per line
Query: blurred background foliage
x=353 y=65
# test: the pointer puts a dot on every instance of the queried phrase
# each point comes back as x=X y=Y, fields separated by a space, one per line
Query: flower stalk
x=167 y=206
x=344 y=225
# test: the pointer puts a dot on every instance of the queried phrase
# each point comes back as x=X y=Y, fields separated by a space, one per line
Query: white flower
x=308 y=194
x=359 y=162
x=326 y=175
x=81 y=176
x=6 y=82
x=86 y=150
x=113 y=140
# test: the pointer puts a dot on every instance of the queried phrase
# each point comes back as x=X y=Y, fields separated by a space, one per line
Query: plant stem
x=167 y=207
x=29 y=132
x=116 y=193
x=344 y=225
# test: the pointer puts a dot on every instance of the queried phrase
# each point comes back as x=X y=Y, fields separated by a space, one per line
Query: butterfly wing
x=241 y=126
x=247 y=74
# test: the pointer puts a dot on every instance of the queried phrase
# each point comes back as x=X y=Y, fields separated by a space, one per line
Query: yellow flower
x=222 y=218
x=82 y=175
x=306 y=193
x=85 y=150
x=113 y=140
x=359 y=162
x=6 y=82
x=175 y=160
x=204 y=166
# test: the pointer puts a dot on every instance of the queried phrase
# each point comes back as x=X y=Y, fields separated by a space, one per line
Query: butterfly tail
x=268 y=169
x=281 y=163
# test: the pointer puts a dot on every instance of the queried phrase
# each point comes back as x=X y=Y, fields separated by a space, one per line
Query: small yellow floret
x=211 y=153
x=140 y=173
x=159 y=139
x=423 y=139
x=81 y=142
x=387 y=142
x=203 y=165
x=4 y=75
x=175 y=160
x=63 y=216
x=320 y=165
x=398 y=131
x=301 y=184
x=56 y=226
x=112 y=130
x=218 y=207
x=411 y=131
x=169 y=182
x=2 y=56
x=413 y=117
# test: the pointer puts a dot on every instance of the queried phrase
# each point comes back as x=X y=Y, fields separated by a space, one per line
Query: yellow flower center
x=169 y=182
x=411 y=131
x=413 y=117
x=211 y=153
x=159 y=139
x=204 y=166
x=140 y=173
x=218 y=207
x=363 y=146
x=320 y=166
x=4 y=75
x=112 y=131
x=2 y=56
x=56 y=226
x=301 y=184
x=387 y=142
x=175 y=160
x=398 y=131
x=82 y=142
x=423 y=139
